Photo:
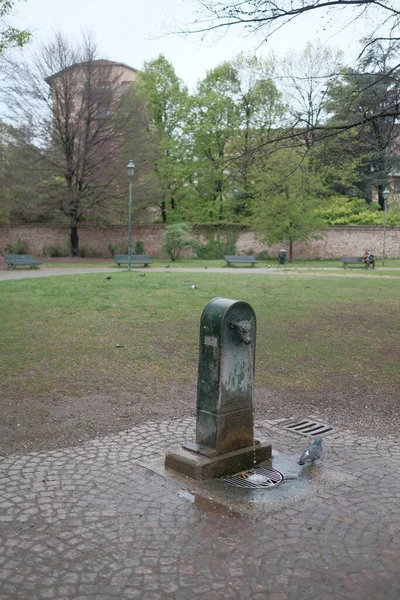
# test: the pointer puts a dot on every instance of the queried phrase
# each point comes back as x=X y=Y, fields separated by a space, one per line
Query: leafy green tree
x=234 y=112
x=166 y=102
x=289 y=193
x=373 y=87
x=177 y=238
x=260 y=109
x=10 y=36
x=212 y=124
x=22 y=182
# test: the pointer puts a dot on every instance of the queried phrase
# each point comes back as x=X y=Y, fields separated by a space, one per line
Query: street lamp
x=131 y=172
x=385 y=194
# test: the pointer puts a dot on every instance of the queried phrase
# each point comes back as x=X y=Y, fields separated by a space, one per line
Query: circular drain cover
x=255 y=479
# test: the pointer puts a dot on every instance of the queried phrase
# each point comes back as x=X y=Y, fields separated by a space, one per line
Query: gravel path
x=7 y=275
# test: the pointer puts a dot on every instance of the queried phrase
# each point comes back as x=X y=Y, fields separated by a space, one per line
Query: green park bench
x=355 y=260
x=21 y=260
x=136 y=259
x=240 y=260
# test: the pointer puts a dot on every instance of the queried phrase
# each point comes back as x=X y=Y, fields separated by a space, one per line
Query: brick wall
x=334 y=242
x=97 y=239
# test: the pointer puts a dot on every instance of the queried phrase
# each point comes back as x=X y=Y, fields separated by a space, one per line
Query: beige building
x=98 y=83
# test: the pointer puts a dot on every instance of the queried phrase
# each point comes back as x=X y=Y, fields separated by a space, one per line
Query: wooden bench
x=356 y=260
x=136 y=259
x=21 y=260
x=240 y=260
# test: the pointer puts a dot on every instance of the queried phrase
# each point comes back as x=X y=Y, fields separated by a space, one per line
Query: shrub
x=215 y=247
x=263 y=255
x=177 y=237
x=55 y=251
x=86 y=252
x=355 y=211
x=139 y=248
x=18 y=247
x=120 y=248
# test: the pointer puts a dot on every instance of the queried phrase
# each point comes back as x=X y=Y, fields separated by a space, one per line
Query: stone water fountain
x=225 y=441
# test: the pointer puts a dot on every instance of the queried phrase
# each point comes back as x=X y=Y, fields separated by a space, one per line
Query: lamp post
x=385 y=194
x=131 y=172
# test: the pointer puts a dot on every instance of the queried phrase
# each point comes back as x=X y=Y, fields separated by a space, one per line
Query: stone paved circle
x=99 y=522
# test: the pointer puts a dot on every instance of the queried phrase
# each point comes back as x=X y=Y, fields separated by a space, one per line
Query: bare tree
x=267 y=16
x=77 y=107
x=304 y=81
x=262 y=18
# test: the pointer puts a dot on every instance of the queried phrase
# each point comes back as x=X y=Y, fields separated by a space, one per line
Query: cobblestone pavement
x=102 y=521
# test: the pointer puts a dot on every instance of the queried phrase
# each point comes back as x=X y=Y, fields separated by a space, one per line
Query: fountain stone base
x=199 y=462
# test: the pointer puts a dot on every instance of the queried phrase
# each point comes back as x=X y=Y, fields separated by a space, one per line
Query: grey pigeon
x=312 y=453
x=142 y=274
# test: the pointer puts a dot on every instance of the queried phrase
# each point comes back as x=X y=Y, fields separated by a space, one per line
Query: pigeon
x=142 y=274
x=193 y=287
x=312 y=453
x=108 y=278
x=167 y=266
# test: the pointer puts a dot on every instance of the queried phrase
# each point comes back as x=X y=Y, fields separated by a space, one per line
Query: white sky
x=133 y=31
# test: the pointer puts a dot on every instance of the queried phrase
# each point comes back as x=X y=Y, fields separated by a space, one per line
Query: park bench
x=240 y=260
x=355 y=260
x=21 y=260
x=136 y=259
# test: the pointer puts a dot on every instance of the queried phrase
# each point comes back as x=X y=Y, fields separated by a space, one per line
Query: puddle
x=207 y=504
x=300 y=484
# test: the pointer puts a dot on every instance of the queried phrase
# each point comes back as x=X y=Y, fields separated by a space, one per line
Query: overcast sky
x=134 y=31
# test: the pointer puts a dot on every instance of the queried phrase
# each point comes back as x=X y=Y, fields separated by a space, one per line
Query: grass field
x=82 y=356
x=84 y=332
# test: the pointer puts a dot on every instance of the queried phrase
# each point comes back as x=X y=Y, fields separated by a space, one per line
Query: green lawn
x=82 y=333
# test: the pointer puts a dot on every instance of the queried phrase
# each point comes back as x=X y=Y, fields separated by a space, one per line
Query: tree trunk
x=74 y=241
x=163 y=213
x=381 y=199
x=290 y=250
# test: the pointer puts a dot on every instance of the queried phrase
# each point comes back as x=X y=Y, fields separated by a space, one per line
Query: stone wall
x=95 y=238
x=334 y=242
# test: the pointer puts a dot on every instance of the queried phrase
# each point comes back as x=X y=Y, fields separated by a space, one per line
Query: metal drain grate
x=255 y=479
x=308 y=427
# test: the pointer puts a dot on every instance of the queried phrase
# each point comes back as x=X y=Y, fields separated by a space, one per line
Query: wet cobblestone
x=94 y=523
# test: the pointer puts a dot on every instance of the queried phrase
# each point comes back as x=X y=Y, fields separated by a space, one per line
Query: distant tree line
x=281 y=145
